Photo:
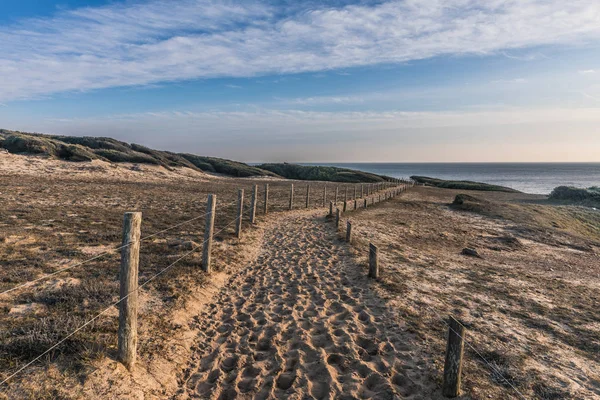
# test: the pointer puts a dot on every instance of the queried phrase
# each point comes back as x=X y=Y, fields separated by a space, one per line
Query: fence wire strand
x=107 y=309
x=104 y=253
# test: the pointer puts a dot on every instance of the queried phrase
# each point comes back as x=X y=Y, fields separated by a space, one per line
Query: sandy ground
x=302 y=322
x=289 y=312
x=530 y=303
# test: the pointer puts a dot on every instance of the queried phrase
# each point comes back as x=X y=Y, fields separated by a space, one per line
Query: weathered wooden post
x=128 y=291
x=240 y=214
x=337 y=218
x=345 y=194
x=349 y=231
x=324 y=196
x=355 y=205
x=337 y=189
x=208 y=231
x=379 y=198
x=266 y=205
x=331 y=208
x=454 y=356
x=365 y=202
x=292 y=197
x=373 y=262
x=307 y=195
x=355 y=192
x=362 y=190
x=253 y=205
x=345 y=205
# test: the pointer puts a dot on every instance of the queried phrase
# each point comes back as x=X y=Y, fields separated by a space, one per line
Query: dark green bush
x=75 y=153
x=132 y=157
x=462 y=185
x=570 y=193
x=321 y=173
x=29 y=144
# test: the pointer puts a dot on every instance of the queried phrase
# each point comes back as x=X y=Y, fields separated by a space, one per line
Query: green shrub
x=94 y=142
x=462 y=185
x=131 y=157
x=29 y=144
x=321 y=173
x=575 y=194
x=75 y=153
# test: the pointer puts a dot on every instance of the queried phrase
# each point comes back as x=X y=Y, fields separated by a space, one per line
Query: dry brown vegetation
x=55 y=214
x=530 y=303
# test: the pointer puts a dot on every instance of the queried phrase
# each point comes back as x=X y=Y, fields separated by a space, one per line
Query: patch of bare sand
x=302 y=322
x=44 y=166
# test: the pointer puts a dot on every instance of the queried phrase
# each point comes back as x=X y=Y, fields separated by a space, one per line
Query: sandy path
x=301 y=322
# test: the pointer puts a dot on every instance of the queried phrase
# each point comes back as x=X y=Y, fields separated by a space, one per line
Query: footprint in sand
x=300 y=322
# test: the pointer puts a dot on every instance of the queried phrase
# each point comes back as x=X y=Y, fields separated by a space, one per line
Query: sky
x=310 y=81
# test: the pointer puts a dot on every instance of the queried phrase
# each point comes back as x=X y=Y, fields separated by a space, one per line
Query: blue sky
x=413 y=80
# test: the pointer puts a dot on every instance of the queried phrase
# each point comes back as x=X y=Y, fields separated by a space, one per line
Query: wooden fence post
x=345 y=205
x=208 y=231
x=355 y=188
x=337 y=218
x=292 y=197
x=324 y=196
x=240 y=214
x=337 y=189
x=128 y=291
x=348 y=231
x=331 y=208
x=362 y=191
x=454 y=356
x=266 y=209
x=253 y=205
x=307 y=195
x=355 y=205
x=365 y=203
x=373 y=262
x=346 y=195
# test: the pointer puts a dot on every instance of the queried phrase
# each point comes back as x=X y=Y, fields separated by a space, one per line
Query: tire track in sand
x=300 y=322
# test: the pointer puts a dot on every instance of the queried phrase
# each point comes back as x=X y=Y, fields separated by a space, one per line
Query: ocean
x=536 y=178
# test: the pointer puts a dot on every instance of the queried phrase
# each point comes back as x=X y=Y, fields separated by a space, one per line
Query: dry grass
x=530 y=304
x=52 y=221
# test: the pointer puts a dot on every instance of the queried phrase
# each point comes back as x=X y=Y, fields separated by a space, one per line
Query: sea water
x=536 y=178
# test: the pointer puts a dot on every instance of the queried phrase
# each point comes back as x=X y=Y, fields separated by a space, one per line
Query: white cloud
x=509 y=81
x=160 y=41
x=588 y=71
x=322 y=100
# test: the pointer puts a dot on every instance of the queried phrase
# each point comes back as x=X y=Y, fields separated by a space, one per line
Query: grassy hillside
x=71 y=148
x=462 y=185
x=319 y=173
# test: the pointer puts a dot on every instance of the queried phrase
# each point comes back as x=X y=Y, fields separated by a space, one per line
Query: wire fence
x=470 y=345
x=280 y=198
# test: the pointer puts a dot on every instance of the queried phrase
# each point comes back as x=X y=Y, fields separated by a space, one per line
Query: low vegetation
x=71 y=148
x=321 y=173
x=462 y=185
x=80 y=149
x=569 y=194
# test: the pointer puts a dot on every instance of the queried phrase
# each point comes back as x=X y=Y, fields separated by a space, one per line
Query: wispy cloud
x=233 y=86
x=508 y=81
x=322 y=100
x=161 y=41
x=588 y=71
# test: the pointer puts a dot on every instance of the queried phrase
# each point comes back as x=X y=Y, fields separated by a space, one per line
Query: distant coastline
x=534 y=178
